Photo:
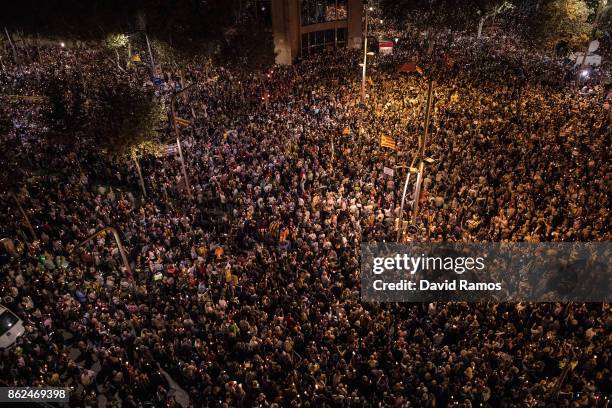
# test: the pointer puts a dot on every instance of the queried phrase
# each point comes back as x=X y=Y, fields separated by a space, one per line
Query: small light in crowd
x=381 y=21
x=585 y=73
x=62 y=44
x=371 y=8
x=370 y=53
x=396 y=40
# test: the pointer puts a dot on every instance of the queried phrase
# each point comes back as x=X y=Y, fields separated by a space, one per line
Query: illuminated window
x=321 y=11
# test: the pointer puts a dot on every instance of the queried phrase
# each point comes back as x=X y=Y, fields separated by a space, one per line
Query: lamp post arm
x=119 y=244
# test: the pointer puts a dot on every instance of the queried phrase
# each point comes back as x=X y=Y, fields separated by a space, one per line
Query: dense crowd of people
x=248 y=294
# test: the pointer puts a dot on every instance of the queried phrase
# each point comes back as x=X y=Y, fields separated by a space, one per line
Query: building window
x=324 y=40
x=321 y=11
x=341 y=35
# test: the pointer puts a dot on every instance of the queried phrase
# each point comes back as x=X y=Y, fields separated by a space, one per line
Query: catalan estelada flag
x=388 y=141
x=181 y=121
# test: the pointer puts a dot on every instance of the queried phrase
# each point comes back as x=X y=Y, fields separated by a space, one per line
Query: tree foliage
x=124 y=116
x=563 y=20
x=112 y=112
x=495 y=9
x=444 y=14
x=116 y=40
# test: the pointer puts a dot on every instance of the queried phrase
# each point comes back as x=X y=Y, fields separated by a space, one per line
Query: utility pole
x=365 y=56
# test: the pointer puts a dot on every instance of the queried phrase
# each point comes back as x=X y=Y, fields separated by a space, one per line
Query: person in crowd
x=249 y=293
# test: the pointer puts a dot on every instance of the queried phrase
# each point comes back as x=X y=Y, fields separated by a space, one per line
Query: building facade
x=303 y=27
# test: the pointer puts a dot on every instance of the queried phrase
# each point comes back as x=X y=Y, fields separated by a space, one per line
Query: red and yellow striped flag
x=388 y=141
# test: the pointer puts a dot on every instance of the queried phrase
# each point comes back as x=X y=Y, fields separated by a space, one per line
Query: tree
x=117 y=42
x=107 y=109
x=492 y=12
x=446 y=14
x=124 y=117
x=563 y=20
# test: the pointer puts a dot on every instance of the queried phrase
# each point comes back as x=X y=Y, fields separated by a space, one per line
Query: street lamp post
x=365 y=56
x=400 y=227
x=178 y=138
x=150 y=55
x=417 y=191
x=24 y=215
x=420 y=156
x=122 y=252
x=10 y=40
x=139 y=171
